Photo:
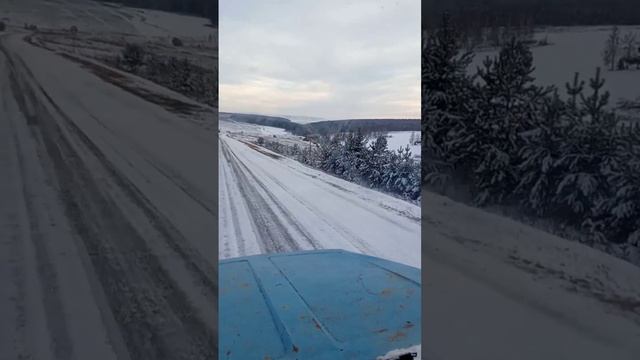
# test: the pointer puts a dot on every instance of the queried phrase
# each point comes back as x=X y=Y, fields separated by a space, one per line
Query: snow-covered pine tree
x=574 y=90
x=589 y=157
x=377 y=159
x=509 y=106
x=537 y=168
x=354 y=156
x=406 y=179
x=447 y=91
x=622 y=208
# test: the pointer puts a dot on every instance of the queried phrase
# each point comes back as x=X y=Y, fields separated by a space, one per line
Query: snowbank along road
x=107 y=213
x=497 y=289
x=269 y=203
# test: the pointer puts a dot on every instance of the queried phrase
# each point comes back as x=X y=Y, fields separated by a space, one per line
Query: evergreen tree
x=378 y=159
x=447 y=90
x=537 y=168
x=610 y=52
x=622 y=208
x=510 y=105
x=589 y=158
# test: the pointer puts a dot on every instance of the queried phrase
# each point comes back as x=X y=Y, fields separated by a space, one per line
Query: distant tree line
x=203 y=8
x=330 y=127
x=510 y=142
x=265 y=120
x=470 y=13
x=351 y=156
x=358 y=125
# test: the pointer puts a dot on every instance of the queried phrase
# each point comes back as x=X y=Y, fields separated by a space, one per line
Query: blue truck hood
x=314 y=305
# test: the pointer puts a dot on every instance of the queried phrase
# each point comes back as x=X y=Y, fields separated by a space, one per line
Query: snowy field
x=577 y=49
x=251 y=132
x=106 y=230
x=269 y=203
x=400 y=139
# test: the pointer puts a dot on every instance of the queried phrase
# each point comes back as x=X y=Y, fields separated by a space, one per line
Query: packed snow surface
x=269 y=203
x=497 y=289
x=106 y=199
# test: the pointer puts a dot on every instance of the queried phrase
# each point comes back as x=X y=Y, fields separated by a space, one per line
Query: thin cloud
x=333 y=59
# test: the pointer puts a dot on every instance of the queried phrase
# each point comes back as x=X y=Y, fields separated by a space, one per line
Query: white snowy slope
x=397 y=140
x=497 y=289
x=576 y=49
x=269 y=203
x=107 y=209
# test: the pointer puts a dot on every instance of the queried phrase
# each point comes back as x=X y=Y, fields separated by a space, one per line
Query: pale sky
x=335 y=59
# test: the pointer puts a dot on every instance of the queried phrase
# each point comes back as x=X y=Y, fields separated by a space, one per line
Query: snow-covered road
x=107 y=214
x=494 y=288
x=269 y=203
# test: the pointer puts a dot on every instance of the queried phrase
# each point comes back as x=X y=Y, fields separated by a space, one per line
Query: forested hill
x=330 y=126
x=539 y=12
x=363 y=125
x=274 y=121
x=203 y=8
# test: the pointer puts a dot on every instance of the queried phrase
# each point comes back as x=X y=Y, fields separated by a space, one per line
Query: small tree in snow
x=133 y=56
x=611 y=48
x=629 y=43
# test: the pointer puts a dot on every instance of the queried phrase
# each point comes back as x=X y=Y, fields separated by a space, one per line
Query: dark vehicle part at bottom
x=316 y=305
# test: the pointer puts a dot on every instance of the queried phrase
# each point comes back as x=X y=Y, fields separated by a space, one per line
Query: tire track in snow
x=273 y=233
x=290 y=218
x=54 y=311
x=240 y=241
x=358 y=242
x=154 y=315
x=12 y=263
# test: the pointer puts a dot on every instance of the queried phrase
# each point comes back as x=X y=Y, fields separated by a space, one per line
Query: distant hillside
x=203 y=8
x=329 y=126
x=364 y=125
x=274 y=121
